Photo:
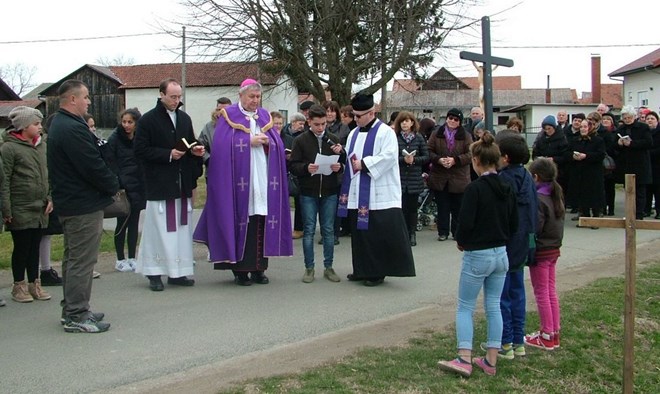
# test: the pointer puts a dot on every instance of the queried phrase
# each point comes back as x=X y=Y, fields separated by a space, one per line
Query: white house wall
x=642 y=84
x=200 y=101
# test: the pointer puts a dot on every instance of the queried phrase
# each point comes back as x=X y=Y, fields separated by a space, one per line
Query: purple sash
x=365 y=180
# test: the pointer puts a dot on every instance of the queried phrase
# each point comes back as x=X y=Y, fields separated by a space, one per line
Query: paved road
x=156 y=334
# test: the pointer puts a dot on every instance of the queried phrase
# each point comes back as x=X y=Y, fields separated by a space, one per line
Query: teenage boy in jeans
x=318 y=192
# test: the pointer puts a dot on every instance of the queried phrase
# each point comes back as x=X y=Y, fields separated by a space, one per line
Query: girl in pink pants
x=549 y=235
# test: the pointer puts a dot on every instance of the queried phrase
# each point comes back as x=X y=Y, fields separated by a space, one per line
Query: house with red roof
x=641 y=81
x=115 y=88
x=10 y=100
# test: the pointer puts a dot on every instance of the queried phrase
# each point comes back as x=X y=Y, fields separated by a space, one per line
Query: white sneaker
x=132 y=263
x=123 y=266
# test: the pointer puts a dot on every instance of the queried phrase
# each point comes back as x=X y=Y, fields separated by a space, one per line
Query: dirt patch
x=394 y=331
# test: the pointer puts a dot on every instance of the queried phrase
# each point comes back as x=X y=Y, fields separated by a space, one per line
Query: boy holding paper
x=318 y=192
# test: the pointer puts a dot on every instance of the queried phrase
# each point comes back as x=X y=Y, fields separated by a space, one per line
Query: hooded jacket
x=488 y=216
x=520 y=246
x=129 y=168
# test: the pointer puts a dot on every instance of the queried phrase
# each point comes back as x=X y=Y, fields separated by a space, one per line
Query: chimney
x=595 y=78
x=548 y=92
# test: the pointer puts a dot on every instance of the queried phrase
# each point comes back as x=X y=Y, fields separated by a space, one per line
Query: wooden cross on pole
x=631 y=225
x=488 y=60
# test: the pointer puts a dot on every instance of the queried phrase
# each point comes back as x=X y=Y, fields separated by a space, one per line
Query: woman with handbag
x=131 y=179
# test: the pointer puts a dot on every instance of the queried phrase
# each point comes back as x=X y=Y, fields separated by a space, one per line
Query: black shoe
x=320 y=241
x=353 y=278
x=442 y=238
x=242 y=279
x=96 y=316
x=155 y=283
x=259 y=277
x=657 y=217
x=181 y=281
x=374 y=282
x=336 y=240
x=50 y=278
x=574 y=210
x=413 y=239
x=575 y=218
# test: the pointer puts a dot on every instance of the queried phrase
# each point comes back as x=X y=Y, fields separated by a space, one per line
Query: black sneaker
x=50 y=277
x=96 y=316
x=89 y=326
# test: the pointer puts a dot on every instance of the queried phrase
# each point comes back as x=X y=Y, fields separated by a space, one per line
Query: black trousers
x=127 y=226
x=25 y=256
x=409 y=205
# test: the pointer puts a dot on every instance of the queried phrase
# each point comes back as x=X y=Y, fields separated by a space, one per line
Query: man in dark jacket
x=163 y=142
x=82 y=185
x=318 y=192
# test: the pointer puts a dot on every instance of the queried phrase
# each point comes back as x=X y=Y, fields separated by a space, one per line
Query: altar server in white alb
x=371 y=198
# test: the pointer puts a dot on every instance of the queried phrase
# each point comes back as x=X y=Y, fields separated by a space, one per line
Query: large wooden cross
x=631 y=225
x=487 y=60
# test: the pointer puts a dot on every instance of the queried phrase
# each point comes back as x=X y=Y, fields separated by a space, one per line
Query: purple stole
x=224 y=220
x=170 y=213
x=365 y=180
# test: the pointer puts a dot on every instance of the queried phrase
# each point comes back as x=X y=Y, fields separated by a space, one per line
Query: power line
x=550 y=46
x=83 y=38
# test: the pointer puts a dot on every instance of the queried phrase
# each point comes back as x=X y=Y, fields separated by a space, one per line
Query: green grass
x=56 y=249
x=590 y=360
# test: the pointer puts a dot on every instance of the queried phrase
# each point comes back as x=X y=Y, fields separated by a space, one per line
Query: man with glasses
x=171 y=170
x=371 y=198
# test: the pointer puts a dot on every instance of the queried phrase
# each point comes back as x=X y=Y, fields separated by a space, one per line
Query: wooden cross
x=631 y=225
x=487 y=60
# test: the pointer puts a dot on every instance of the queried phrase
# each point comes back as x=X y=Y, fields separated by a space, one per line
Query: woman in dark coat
x=552 y=143
x=654 y=187
x=632 y=155
x=411 y=166
x=131 y=178
x=608 y=134
x=449 y=152
x=587 y=152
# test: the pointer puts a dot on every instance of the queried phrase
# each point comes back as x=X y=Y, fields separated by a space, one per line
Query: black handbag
x=293 y=185
x=120 y=206
x=608 y=163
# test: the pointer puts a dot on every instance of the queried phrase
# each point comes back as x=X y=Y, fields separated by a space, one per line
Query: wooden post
x=631 y=225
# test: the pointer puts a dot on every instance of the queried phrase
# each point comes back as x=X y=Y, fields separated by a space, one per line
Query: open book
x=183 y=145
x=406 y=153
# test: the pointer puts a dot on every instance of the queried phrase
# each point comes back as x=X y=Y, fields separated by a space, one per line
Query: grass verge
x=589 y=361
x=56 y=249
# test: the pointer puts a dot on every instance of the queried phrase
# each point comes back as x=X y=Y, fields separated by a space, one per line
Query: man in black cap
x=371 y=199
x=305 y=106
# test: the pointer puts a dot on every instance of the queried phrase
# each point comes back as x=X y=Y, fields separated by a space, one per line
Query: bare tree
x=333 y=43
x=118 y=60
x=19 y=77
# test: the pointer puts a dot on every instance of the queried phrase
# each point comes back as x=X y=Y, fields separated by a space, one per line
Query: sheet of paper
x=324 y=163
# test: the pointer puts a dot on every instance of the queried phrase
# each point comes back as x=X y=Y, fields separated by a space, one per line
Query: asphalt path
x=156 y=334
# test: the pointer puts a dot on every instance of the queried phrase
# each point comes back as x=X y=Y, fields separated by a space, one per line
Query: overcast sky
x=619 y=31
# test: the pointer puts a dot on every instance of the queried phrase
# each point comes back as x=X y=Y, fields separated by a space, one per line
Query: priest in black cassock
x=371 y=198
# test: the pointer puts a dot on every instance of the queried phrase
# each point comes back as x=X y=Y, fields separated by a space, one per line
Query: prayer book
x=406 y=153
x=183 y=145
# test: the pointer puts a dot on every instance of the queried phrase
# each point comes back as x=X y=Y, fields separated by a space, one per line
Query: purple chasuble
x=223 y=223
x=365 y=180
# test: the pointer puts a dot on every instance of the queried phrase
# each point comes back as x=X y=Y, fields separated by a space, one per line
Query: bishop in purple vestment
x=247 y=217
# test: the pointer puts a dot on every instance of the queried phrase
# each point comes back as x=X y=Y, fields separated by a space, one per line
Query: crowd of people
x=342 y=167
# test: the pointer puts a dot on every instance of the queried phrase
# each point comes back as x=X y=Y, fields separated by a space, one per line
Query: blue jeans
x=512 y=305
x=485 y=268
x=326 y=209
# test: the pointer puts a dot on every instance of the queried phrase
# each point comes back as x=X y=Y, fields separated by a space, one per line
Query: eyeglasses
x=454 y=118
x=356 y=116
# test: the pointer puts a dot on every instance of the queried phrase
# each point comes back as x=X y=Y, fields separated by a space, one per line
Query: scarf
x=450 y=136
x=544 y=188
x=408 y=137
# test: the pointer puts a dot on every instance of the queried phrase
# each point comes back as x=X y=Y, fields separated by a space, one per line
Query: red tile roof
x=651 y=60
x=610 y=94
x=499 y=83
x=197 y=74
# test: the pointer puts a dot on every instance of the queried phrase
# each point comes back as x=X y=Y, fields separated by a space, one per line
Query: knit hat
x=456 y=112
x=550 y=121
x=21 y=117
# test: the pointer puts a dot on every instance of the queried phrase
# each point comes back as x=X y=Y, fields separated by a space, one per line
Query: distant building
x=10 y=100
x=115 y=88
x=641 y=81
